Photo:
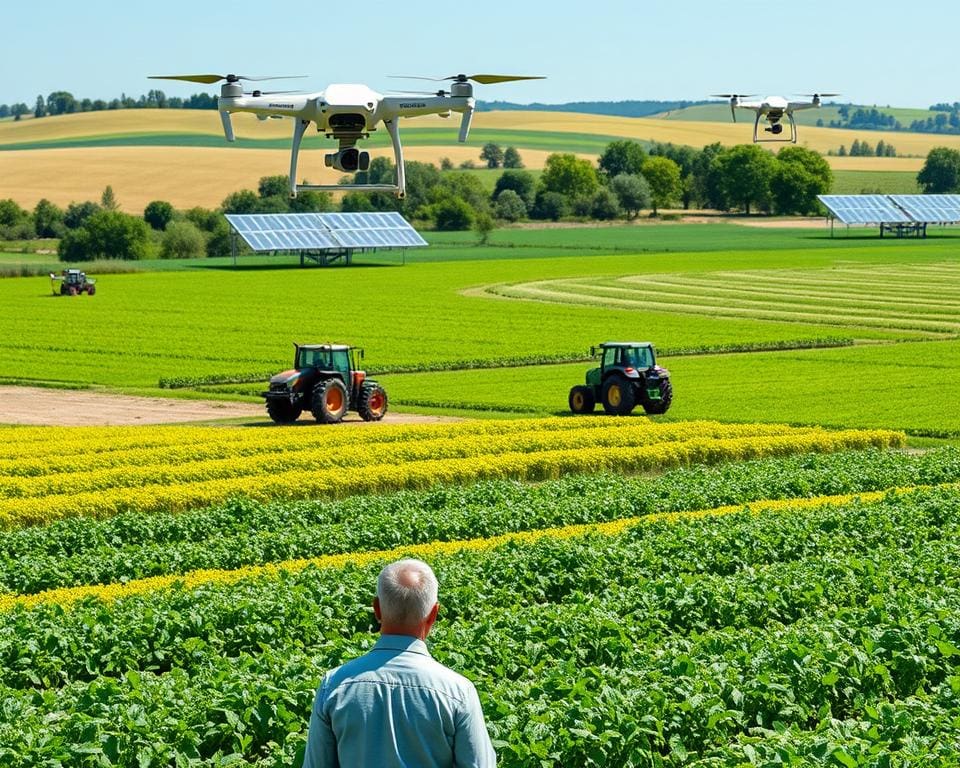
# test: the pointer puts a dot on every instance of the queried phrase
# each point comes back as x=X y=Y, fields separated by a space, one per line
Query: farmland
x=762 y=575
x=786 y=605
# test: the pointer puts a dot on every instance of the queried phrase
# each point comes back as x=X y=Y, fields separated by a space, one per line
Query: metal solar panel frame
x=325 y=231
x=864 y=209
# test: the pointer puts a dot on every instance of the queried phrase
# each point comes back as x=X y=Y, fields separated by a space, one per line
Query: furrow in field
x=531 y=291
x=876 y=297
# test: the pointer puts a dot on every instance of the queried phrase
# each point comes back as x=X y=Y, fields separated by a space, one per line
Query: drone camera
x=349 y=160
x=776 y=129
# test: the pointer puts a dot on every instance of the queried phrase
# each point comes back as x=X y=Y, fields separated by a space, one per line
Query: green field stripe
x=544 y=140
x=679 y=296
x=839 y=319
x=776 y=294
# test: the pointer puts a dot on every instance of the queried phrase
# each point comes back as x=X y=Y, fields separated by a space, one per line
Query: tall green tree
x=511 y=158
x=522 y=182
x=743 y=176
x=941 y=172
x=633 y=192
x=801 y=174
x=622 y=156
x=106 y=235
x=158 y=214
x=61 y=103
x=492 y=155
x=704 y=187
x=48 y=219
x=568 y=175
x=663 y=176
x=108 y=200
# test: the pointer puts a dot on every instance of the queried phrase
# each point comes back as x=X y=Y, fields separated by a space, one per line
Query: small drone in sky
x=347 y=113
x=773 y=108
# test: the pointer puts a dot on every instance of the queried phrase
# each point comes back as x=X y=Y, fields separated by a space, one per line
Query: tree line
x=65 y=103
x=625 y=180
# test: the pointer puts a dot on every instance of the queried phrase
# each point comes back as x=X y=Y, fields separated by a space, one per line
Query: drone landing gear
x=399 y=189
x=776 y=129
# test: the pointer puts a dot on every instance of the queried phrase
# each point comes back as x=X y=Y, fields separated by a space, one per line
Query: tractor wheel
x=581 y=399
x=373 y=402
x=329 y=401
x=666 y=397
x=72 y=290
x=92 y=289
x=283 y=411
x=618 y=396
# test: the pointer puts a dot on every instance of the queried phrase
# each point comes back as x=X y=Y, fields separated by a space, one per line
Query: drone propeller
x=482 y=79
x=734 y=100
x=210 y=79
x=818 y=95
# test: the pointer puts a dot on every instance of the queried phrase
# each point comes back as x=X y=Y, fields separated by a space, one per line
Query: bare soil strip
x=75 y=408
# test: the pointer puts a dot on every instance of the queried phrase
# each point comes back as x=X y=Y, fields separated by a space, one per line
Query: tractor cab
x=630 y=358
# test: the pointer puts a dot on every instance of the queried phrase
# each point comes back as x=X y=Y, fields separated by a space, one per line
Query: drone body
x=347 y=113
x=773 y=109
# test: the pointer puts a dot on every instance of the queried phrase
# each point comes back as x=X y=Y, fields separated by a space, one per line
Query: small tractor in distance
x=628 y=375
x=326 y=380
x=72 y=282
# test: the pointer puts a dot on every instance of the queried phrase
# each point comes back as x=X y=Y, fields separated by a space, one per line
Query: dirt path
x=71 y=408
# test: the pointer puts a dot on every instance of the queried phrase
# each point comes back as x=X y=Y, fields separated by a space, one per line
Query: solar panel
x=864 y=209
x=324 y=231
x=373 y=230
x=935 y=209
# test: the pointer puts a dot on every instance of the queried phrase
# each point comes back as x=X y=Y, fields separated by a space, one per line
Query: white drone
x=347 y=113
x=773 y=108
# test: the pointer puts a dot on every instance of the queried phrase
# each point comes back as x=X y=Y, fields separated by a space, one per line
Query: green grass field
x=553 y=141
x=684 y=286
x=875 y=182
x=902 y=386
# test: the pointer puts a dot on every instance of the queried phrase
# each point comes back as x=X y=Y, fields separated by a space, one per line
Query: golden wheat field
x=188 y=176
x=184 y=176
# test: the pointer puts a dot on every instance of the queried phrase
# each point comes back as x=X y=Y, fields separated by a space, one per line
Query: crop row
x=69 y=595
x=243 y=532
x=381 y=477
x=673 y=643
x=137 y=470
x=43 y=450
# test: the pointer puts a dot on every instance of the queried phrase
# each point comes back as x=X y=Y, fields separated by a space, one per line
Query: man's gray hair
x=407 y=590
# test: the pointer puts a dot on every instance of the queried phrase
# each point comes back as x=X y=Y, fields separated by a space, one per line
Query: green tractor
x=73 y=282
x=628 y=375
x=326 y=380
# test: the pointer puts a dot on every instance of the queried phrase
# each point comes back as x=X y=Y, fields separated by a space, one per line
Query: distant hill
x=614 y=108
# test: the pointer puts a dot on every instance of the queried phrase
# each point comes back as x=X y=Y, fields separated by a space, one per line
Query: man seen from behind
x=395 y=707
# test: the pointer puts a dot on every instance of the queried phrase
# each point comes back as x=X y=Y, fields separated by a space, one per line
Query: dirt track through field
x=74 y=408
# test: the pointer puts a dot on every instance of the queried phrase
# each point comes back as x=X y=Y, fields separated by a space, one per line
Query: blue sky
x=878 y=52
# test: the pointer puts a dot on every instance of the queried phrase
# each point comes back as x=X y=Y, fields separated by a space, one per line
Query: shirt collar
x=401 y=643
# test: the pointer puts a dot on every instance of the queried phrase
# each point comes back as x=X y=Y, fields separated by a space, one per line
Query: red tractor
x=326 y=380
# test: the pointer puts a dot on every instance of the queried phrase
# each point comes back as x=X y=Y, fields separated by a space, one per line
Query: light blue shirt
x=396 y=707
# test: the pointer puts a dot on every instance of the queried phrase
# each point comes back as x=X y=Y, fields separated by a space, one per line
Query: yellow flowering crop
x=278 y=464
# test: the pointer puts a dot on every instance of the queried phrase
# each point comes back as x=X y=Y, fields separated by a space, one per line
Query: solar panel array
x=893 y=209
x=324 y=231
x=864 y=209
